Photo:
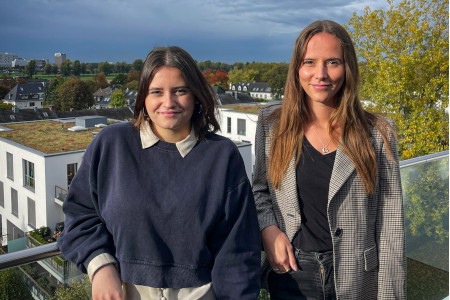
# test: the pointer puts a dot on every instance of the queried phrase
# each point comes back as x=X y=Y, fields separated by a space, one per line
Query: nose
x=169 y=100
x=321 y=71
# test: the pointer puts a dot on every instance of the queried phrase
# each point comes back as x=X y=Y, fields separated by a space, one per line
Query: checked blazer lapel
x=289 y=205
x=343 y=167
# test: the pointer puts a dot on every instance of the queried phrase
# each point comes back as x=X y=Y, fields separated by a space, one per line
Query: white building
x=238 y=124
x=19 y=62
x=6 y=59
x=32 y=184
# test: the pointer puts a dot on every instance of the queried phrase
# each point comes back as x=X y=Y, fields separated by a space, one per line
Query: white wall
x=49 y=170
x=246 y=152
x=251 y=121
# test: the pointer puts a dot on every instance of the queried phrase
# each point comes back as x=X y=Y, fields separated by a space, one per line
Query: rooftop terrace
x=48 y=136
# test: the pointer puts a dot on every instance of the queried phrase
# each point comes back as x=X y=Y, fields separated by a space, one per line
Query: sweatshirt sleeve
x=237 y=246
x=85 y=234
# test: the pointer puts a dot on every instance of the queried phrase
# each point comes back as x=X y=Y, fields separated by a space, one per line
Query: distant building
x=59 y=59
x=26 y=95
x=6 y=59
x=260 y=90
x=231 y=97
x=19 y=62
x=40 y=63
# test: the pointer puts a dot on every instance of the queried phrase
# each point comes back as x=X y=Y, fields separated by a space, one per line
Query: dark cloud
x=117 y=30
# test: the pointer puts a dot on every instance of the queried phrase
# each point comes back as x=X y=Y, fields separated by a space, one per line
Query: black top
x=313 y=180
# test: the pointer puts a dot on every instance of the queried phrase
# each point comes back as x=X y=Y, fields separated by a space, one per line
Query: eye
x=181 y=91
x=334 y=62
x=154 y=92
x=308 y=62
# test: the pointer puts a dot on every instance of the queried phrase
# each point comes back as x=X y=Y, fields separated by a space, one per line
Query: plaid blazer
x=367 y=230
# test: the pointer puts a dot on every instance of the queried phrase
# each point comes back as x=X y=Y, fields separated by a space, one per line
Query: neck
x=320 y=115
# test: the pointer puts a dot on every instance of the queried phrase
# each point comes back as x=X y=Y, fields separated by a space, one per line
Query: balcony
x=60 y=195
x=425 y=182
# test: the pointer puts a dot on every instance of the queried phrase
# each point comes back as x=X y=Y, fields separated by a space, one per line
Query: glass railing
x=425 y=182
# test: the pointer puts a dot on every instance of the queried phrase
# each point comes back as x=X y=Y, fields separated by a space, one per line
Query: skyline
x=116 y=31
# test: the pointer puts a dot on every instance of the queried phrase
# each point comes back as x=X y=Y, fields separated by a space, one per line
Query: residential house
x=26 y=95
x=259 y=90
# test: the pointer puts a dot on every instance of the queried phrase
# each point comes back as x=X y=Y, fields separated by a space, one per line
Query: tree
x=83 y=68
x=47 y=69
x=76 y=68
x=242 y=75
x=132 y=85
x=74 y=94
x=51 y=92
x=117 y=99
x=100 y=80
x=105 y=67
x=406 y=70
x=137 y=65
x=30 y=68
x=12 y=285
x=277 y=79
x=132 y=76
x=66 y=68
x=78 y=290
x=55 y=69
x=119 y=79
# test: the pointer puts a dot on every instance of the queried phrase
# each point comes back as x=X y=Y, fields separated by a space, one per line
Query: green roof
x=252 y=109
x=49 y=136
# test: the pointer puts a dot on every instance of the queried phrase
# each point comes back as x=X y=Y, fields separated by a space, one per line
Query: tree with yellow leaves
x=404 y=69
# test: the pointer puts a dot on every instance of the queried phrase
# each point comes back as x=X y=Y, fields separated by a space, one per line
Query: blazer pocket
x=370 y=258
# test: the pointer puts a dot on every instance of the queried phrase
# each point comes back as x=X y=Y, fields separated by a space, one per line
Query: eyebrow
x=175 y=87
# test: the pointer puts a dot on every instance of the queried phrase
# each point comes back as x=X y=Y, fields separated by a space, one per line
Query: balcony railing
x=60 y=195
x=425 y=182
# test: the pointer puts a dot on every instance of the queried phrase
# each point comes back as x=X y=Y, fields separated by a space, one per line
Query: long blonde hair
x=349 y=115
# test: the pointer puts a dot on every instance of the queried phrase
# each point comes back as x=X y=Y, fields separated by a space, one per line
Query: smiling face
x=170 y=105
x=322 y=71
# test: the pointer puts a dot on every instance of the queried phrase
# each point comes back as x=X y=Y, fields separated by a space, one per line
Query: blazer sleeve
x=390 y=226
x=236 y=244
x=85 y=234
x=261 y=191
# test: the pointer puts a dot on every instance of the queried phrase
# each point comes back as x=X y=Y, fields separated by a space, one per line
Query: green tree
x=12 y=285
x=51 y=91
x=55 y=69
x=74 y=93
x=30 y=68
x=47 y=69
x=76 y=68
x=83 y=68
x=119 y=80
x=137 y=65
x=277 y=79
x=105 y=67
x=132 y=85
x=406 y=70
x=117 y=99
x=66 y=68
x=78 y=290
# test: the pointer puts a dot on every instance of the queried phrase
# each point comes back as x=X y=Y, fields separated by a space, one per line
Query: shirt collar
x=148 y=139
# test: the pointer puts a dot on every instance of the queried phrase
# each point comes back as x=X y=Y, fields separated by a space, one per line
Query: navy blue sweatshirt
x=171 y=222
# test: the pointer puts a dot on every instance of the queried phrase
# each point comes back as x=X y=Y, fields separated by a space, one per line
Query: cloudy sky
x=124 y=30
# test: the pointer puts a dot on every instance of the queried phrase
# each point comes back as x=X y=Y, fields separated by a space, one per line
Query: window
x=241 y=126
x=71 y=170
x=2 y=195
x=14 y=202
x=31 y=104
x=31 y=213
x=228 y=125
x=9 y=166
x=28 y=174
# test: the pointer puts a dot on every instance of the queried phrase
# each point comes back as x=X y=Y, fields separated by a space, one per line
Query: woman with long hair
x=161 y=207
x=327 y=181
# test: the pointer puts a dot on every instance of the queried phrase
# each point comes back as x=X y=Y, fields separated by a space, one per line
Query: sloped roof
x=24 y=91
x=22 y=115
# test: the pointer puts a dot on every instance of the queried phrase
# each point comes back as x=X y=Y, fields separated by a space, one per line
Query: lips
x=169 y=114
x=321 y=87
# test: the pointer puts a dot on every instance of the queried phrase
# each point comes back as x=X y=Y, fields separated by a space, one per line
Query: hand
x=106 y=284
x=278 y=249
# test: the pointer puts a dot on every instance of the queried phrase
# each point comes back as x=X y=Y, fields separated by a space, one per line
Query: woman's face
x=170 y=104
x=322 y=71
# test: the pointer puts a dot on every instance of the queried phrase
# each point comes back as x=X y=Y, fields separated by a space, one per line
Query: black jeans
x=313 y=280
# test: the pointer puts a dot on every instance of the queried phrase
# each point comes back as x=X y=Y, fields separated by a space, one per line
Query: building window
x=14 y=203
x=31 y=213
x=2 y=195
x=31 y=104
x=9 y=166
x=28 y=174
x=241 y=126
x=228 y=125
x=71 y=171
